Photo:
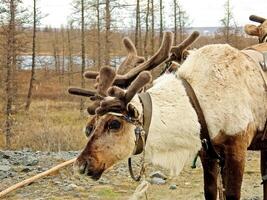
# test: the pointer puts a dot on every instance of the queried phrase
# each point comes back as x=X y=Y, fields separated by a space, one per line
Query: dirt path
x=114 y=185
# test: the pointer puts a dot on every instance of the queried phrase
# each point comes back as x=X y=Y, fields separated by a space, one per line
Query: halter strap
x=204 y=132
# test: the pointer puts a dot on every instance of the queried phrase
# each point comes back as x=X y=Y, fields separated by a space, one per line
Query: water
x=49 y=61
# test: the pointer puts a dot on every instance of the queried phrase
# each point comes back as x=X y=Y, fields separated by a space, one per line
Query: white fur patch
x=229 y=87
x=174 y=130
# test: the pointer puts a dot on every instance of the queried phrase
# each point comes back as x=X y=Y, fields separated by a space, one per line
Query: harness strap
x=204 y=132
x=141 y=134
x=146 y=102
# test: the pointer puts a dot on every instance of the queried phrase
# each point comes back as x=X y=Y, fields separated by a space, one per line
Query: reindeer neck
x=174 y=130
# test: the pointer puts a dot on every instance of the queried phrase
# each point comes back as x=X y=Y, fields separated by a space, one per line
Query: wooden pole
x=36 y=177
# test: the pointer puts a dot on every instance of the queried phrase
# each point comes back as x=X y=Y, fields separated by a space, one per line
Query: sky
x=203 y=13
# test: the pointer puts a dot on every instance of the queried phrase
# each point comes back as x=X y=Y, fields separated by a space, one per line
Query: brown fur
x=233 y=149
x=93 y=160
x=106 y=78
x=116 y=92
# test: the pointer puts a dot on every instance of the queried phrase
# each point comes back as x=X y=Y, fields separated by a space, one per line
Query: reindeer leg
x=235 y=153
x=210 y=169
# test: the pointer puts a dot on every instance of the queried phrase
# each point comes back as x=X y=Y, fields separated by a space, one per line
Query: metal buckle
x=205 y=144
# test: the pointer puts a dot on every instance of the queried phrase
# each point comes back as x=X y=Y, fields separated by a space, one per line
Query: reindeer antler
x=159 y=57
x=259 y=31
x=256 y=18
x=132 y=59
x=106 y=78
x=179 y=50
x=118 y=98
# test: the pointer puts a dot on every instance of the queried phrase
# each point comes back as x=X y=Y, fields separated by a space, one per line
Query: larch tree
x=29 y=96
x=146 y=28
x=228 y=22
x=12 y=18
x=181 y=20
x=152 y=41
x=107 y=32
x=83 y=51
x=160 y=20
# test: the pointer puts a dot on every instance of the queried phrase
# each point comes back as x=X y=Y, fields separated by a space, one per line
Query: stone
x=158 y=174
x=103 y=181
x=5 y=168
x=173 y=187
x=157 y=181
x=70 y=187
x=30 y=161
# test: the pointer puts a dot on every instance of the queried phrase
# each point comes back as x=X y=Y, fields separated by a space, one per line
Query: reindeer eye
x=88 y=130
x=114 y=125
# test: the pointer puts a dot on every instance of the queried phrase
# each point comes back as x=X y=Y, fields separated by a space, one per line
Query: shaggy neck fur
x=174 y=130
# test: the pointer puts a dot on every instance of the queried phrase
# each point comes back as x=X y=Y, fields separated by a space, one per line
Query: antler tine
x=90 y=74
x=159 y=57
x=106 y=78
x=132 y=59
x=142 y=79
x=177 y=51
x=81 y=92
x=122 y=98
x=256 y=18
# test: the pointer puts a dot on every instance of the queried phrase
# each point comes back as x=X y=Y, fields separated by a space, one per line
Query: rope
x=36 y=177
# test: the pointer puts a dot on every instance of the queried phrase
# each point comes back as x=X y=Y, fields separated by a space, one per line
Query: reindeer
x=218 y=90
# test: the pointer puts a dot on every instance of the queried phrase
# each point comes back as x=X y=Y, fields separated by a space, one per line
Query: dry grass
x=49 y=126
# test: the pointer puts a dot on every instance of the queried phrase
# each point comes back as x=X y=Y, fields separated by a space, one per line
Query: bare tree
x=98 y=34
x=29 y=96
x=228 y=22
x=137 y=26
x=152 y=27
x=70 y=54
x=83 y=52
x=10 y=52
x=181 y=20
x=161 y=20
x=147 y=28
x=107 y=32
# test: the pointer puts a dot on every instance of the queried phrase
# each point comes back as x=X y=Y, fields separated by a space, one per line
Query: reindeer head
x=111 y=136
x=259 y=31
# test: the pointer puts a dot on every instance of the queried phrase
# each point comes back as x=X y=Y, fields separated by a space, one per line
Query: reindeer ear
x=252 y=30
x=132 y=111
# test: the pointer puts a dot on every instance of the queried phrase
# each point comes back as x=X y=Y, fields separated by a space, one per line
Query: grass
x=49 y=126
x=107 y=193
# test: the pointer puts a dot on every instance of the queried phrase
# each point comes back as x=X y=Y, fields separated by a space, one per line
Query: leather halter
x=204 y=132
x=146 y=102
x=141 y=133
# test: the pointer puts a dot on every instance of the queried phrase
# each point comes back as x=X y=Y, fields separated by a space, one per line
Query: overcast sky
x=201 y=12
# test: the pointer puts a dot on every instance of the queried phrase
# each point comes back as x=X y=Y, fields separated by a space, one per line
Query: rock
x=30 y=161
x=173 y=187
x=103 y=181
x=6 y=174
x=70 y=187
x=157 y=181
x=5 y=168
x=158 y=174
x=6 y=154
